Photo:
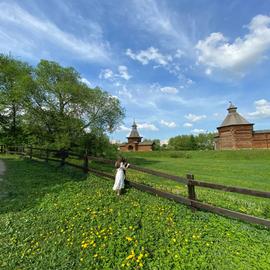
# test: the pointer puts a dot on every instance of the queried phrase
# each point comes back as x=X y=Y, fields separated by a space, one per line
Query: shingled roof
x=134 y=132
x=234 y=118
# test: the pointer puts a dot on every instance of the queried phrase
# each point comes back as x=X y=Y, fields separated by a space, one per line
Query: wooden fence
x=191 y=201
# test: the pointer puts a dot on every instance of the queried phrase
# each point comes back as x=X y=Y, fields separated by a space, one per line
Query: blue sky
x=174 y=65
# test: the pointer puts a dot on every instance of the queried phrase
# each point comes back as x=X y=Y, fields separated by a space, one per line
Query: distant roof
x=262 y=131
x=134 y=132
x=146 y=143
x=140 y=143
x=234 y=118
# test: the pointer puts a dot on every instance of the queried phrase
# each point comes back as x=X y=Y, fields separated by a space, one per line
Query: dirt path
x=2 y=169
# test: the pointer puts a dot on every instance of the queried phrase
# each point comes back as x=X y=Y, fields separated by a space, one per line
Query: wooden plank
x=159 y=193
x=178 y=179
x=145 y=170
x=74 y=165
x=230 y=213
x=44 y=158
x=245 y=191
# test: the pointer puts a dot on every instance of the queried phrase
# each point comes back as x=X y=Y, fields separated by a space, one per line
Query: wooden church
x=135 y=142
x=236 y=132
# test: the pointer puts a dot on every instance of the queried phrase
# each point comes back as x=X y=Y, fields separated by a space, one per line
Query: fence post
x=191 y=187
x=47 y=155
x=86 y=162
x=31 y=152
x=62 y=163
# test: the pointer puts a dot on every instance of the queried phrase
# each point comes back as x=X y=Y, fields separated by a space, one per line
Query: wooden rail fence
x=191 y=201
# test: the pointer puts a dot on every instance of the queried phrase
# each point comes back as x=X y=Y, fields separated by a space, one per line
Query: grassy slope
x=57 y=219
x=237 y=168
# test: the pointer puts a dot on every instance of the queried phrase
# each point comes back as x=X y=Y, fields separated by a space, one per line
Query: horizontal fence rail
x=189 y=181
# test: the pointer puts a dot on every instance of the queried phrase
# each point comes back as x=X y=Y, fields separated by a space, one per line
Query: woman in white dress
x=119 y=182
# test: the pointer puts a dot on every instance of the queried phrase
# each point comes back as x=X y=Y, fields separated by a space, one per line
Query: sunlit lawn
x=56 y=218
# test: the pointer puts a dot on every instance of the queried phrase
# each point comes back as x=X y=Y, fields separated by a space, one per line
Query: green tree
x=61 y=108
x=15 y=82
x=156 y=143
x=191 y=142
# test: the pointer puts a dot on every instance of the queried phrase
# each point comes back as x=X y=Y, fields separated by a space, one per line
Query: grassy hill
x=249 y=168
x=60 y=219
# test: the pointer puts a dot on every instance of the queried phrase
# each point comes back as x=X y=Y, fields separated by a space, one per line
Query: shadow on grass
x=26 y=182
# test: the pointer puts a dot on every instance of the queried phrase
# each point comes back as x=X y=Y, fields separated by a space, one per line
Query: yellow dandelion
x=85 y=245
x=129 y=238
x=131 y=256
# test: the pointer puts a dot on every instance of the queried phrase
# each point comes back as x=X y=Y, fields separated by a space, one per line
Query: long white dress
x=119 y=182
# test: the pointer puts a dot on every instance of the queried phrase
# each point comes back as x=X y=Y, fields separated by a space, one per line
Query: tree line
x=50 y=105
x=202 y=141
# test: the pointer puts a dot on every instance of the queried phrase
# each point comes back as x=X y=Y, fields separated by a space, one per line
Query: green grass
x=58 y=219
x=249 y=169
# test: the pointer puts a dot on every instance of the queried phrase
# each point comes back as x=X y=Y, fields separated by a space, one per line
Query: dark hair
x=119 y=160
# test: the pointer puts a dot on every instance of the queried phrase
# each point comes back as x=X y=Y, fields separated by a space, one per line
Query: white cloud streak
x=168 y=124
x=169 y=90
x=188 y=125
x=194 y=118
x=22 y=32
x=148 y=55
x=147 y=126
x=198 y=131
x=262 y=109
x=108 y=74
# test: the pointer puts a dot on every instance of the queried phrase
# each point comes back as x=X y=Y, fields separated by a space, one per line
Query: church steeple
x=233 y=118
x=134 y=135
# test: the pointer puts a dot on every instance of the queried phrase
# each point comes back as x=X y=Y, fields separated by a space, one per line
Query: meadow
x=59 y=218
x=246 y=168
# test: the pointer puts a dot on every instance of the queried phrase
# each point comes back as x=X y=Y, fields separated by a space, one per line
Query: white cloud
x=179 y=53
x=168 y=124
x=208 y=71
x=262 y=109
x=166 y=141
x=108 y=74
x=84 y=80
x=188 y=125
x=198 y=131
x=125 y=93
x=150 y=54
x=123 y=72
x=169 y=90
x=217 y=52
x=147 y=126
x=123 y=128
x=157 y=18
x=194 y=118
x=25 y=34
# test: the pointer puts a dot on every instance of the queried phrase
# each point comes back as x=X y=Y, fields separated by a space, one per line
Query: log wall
x=241 y=137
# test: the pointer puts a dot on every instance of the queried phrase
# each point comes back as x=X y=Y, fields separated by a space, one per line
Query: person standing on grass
x=120 y=176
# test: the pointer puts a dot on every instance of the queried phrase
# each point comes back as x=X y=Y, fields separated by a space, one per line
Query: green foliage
x=58 y=219
x=98 y=144
x=15 y=82
x=156 y=145
x=190 y=142
x=49 y=105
